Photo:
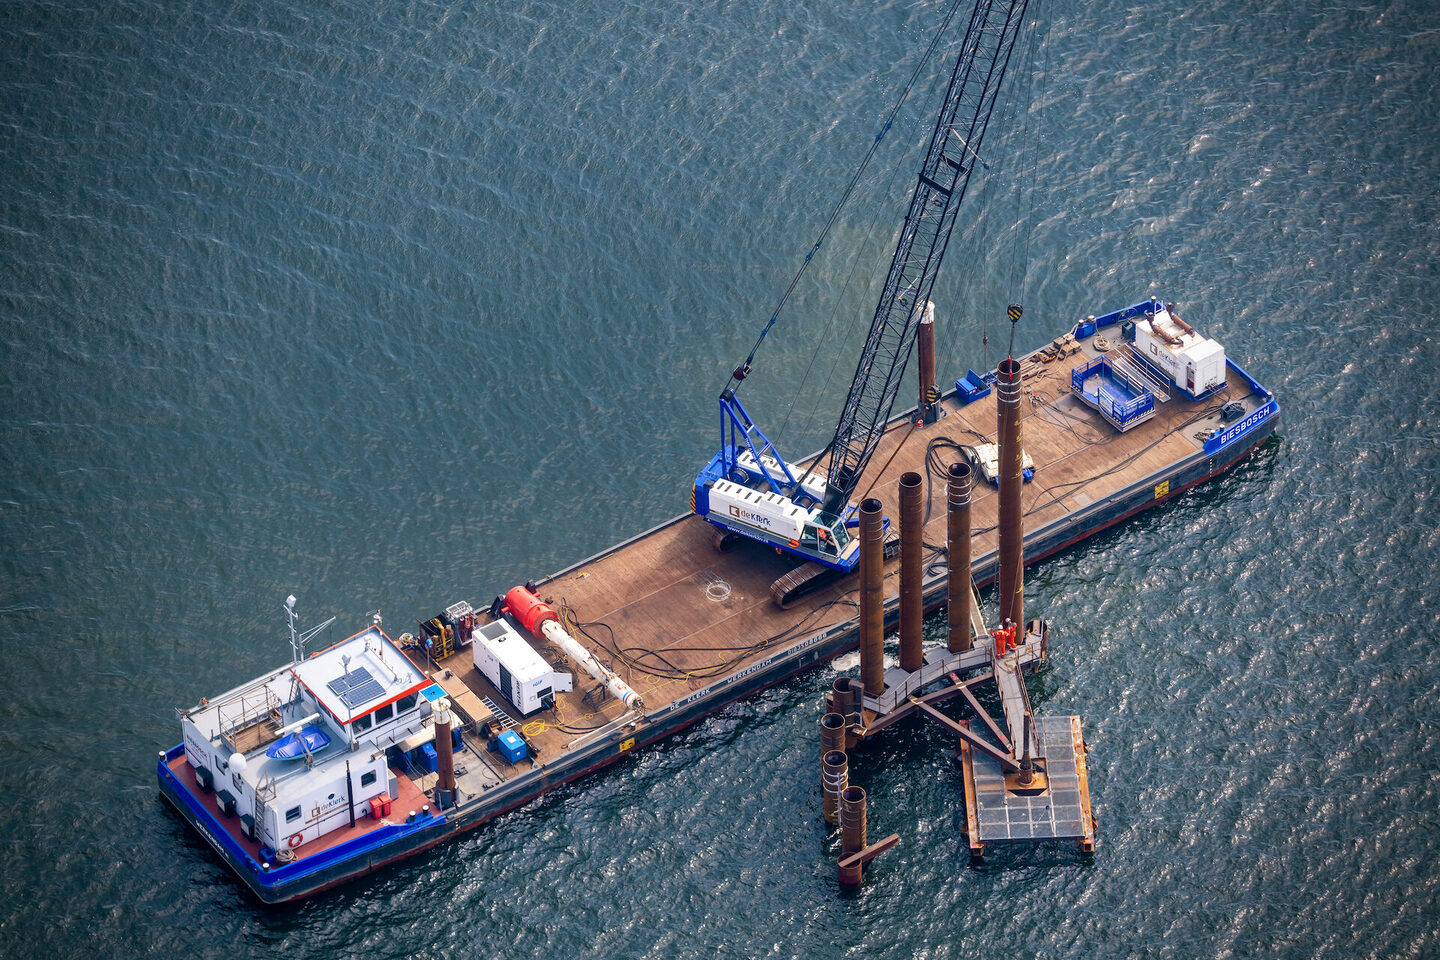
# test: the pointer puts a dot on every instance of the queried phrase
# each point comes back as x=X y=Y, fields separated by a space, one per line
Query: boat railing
x=1137 y=377
x=1122 y=414
x=250 y=708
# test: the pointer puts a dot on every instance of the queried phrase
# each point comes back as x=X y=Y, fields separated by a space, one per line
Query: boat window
x=367 y=778
x=405 y=704
x=385 y=713
x=292 y=814
x=362 y=724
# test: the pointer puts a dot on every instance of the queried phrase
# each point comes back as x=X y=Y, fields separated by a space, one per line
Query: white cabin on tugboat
x=300 y=752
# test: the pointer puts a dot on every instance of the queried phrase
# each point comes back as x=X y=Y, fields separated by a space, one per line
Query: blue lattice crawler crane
x=748 y=489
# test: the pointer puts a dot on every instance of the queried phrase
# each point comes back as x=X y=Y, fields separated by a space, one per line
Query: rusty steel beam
x=905 y=709
x=1006 y=761
x=872 y=597
x=986 y=719
x=872 y=851
x=851 y=867
x=912 y=587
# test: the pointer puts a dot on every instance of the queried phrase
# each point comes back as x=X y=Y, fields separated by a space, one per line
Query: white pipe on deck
x=292 y=727
x=618 y=688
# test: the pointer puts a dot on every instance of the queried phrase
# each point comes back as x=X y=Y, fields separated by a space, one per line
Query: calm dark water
x=393 y=305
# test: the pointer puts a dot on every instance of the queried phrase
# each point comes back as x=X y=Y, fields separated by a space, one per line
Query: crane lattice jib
x=954 y=150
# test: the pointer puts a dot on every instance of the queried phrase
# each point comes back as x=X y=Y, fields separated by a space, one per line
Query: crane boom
x=748 y=490
x=954 y=151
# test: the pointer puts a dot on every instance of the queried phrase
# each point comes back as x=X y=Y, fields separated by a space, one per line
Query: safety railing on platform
x=1123 y=361
x=254 y=705
x=1122 y=414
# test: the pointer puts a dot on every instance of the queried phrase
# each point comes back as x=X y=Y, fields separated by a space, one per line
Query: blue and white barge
x=374 y=749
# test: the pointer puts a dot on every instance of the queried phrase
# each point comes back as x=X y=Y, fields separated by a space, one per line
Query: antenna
x=297 y=647
x=297 y=639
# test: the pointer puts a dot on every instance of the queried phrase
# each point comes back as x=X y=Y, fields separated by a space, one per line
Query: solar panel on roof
x=356 y=687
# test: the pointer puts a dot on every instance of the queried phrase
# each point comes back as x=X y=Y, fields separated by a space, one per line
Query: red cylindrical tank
x=529 y=609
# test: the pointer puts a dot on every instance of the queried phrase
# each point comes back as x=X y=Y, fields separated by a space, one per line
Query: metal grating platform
x=1060 y=812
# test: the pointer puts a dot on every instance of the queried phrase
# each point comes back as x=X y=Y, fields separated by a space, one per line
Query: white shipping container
x=1194 y=363
x=759 y=509
x=504 y=658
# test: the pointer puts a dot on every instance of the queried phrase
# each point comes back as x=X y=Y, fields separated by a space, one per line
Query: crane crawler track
x=811 y=576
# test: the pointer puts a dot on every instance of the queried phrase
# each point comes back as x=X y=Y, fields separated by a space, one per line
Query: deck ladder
x=499 y=720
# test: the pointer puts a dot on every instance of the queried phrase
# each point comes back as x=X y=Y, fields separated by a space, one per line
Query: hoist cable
x=743 y=369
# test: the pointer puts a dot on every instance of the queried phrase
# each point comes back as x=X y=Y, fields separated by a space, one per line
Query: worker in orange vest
x=1003 y=638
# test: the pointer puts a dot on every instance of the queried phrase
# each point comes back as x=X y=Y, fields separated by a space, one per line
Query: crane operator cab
x=827 y=539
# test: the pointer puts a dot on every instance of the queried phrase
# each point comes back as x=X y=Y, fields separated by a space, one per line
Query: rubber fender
x=529 y=609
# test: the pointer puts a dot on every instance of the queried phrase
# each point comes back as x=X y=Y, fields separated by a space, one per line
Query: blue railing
x=1145 y=308
x=1119 y=413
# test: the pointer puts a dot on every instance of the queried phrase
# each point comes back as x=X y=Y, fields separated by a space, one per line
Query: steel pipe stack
x=852 y=820
x=872 y=597
x=444 y=749
x=925 y=348
x=912 y=588
x=958 y=545
x=1012 y=561
x=834 y=779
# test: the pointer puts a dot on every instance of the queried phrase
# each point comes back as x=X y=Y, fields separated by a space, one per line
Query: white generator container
x=814 y=484
x=1196 y=364
x=504 y=658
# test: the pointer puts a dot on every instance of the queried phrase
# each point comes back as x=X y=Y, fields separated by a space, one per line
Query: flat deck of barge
x=671 y=614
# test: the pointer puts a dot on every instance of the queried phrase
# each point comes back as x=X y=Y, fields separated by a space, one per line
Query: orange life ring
x=296 y=840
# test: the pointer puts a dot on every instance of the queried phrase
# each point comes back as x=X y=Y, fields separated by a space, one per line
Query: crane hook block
x=1014 y=311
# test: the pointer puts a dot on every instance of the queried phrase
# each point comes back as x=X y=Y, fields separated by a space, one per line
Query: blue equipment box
x=427 y=759
x=512 y=748
x=971 y=387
